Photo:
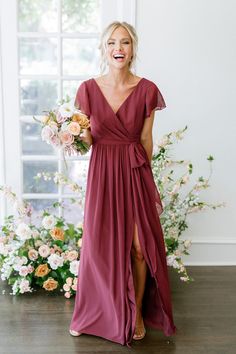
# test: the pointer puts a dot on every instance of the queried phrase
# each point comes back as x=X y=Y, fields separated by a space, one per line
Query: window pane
x=34 y=16
x=38 y=55
x=80 y=56
x=77 y=172
x=70 y=88
x=81 y=15
x=30 y=169
x=32 y=143
x=39 y=205
x=37 y=96
x=72 y=213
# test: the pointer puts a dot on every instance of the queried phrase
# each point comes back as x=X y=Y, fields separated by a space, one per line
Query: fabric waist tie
x=136 y=150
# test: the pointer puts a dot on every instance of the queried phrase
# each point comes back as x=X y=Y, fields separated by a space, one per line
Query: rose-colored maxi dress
x=120 y=190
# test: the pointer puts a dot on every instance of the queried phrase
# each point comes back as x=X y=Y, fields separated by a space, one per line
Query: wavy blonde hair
x=104 y=39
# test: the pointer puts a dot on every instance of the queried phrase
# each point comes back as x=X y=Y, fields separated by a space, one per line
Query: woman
x=123 y=281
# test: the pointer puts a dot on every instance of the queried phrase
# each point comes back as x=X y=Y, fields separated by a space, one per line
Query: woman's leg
x=139 y=268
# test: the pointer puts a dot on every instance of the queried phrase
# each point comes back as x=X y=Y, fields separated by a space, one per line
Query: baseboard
x=208 y=252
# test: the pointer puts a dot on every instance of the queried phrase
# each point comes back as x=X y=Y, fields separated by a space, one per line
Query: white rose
x=44 y=251
x=187 y=243
x=170 y=260
x=23 y=231
x=66 y=109
x=35 y=233
x=49 y=222
x=74 y=267
x=55 y=261
x=24 y=286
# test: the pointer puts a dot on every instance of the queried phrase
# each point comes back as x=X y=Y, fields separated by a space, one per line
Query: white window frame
x=11 y=161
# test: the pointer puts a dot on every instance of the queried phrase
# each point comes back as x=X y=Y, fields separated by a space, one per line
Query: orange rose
x=57 y=234
x=81 y=119
x=50 y=284
x=42 y=270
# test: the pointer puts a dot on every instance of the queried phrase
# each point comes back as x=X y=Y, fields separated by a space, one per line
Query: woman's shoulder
x=150 y=83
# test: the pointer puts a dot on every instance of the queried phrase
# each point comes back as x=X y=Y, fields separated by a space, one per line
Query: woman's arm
x=146 y=135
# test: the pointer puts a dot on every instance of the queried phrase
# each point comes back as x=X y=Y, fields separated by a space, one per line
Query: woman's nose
x=118 y=46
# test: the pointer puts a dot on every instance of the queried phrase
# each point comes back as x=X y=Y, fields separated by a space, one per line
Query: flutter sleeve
x=154 y=100
x=82 y=99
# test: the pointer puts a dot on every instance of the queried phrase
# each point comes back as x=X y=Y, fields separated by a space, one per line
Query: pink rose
x=67 y=295
x=47 y=133
x=30 y=268
x=23 y=271
x=60 y=119
x=54 y=140
x=66 y=138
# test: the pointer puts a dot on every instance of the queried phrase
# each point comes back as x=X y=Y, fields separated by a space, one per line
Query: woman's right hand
x=87 y=137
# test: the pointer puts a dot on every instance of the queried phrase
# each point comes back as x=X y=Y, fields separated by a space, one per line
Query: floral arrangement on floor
x=47 y=255
x=62 y=128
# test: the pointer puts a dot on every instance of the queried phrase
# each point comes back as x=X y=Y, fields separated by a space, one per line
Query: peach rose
x=66 y=137
x=32 y=254
x=57 y=234
x=50 y=284
x=44 y=251
x=74 y=128
x=42 y=270
x=69 y=281
x=66 y=287
x=74 y=287
x=57 y=249
x=82 y=120
x=72 y=255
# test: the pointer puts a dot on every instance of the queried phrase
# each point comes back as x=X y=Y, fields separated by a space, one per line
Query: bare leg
x=139 y=268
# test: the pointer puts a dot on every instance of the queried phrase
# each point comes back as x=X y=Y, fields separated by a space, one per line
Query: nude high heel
x=139 y=336
x=74 y=333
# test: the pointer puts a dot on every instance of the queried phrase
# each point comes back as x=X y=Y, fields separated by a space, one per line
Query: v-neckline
x=125 y=100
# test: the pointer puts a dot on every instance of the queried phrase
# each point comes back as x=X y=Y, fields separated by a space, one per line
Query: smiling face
x=119 y=48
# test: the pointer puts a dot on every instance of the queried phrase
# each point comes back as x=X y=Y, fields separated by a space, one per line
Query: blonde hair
x=106 y=35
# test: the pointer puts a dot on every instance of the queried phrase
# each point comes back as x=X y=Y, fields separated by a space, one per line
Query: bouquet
x=63 y=127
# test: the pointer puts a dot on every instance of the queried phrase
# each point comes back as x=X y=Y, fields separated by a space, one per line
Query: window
x=48 y=48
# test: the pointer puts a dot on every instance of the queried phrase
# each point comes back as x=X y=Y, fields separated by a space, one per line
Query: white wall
x=188 y=48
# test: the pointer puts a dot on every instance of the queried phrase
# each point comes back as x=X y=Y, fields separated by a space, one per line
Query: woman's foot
x=140 y=330
x=74 y=333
